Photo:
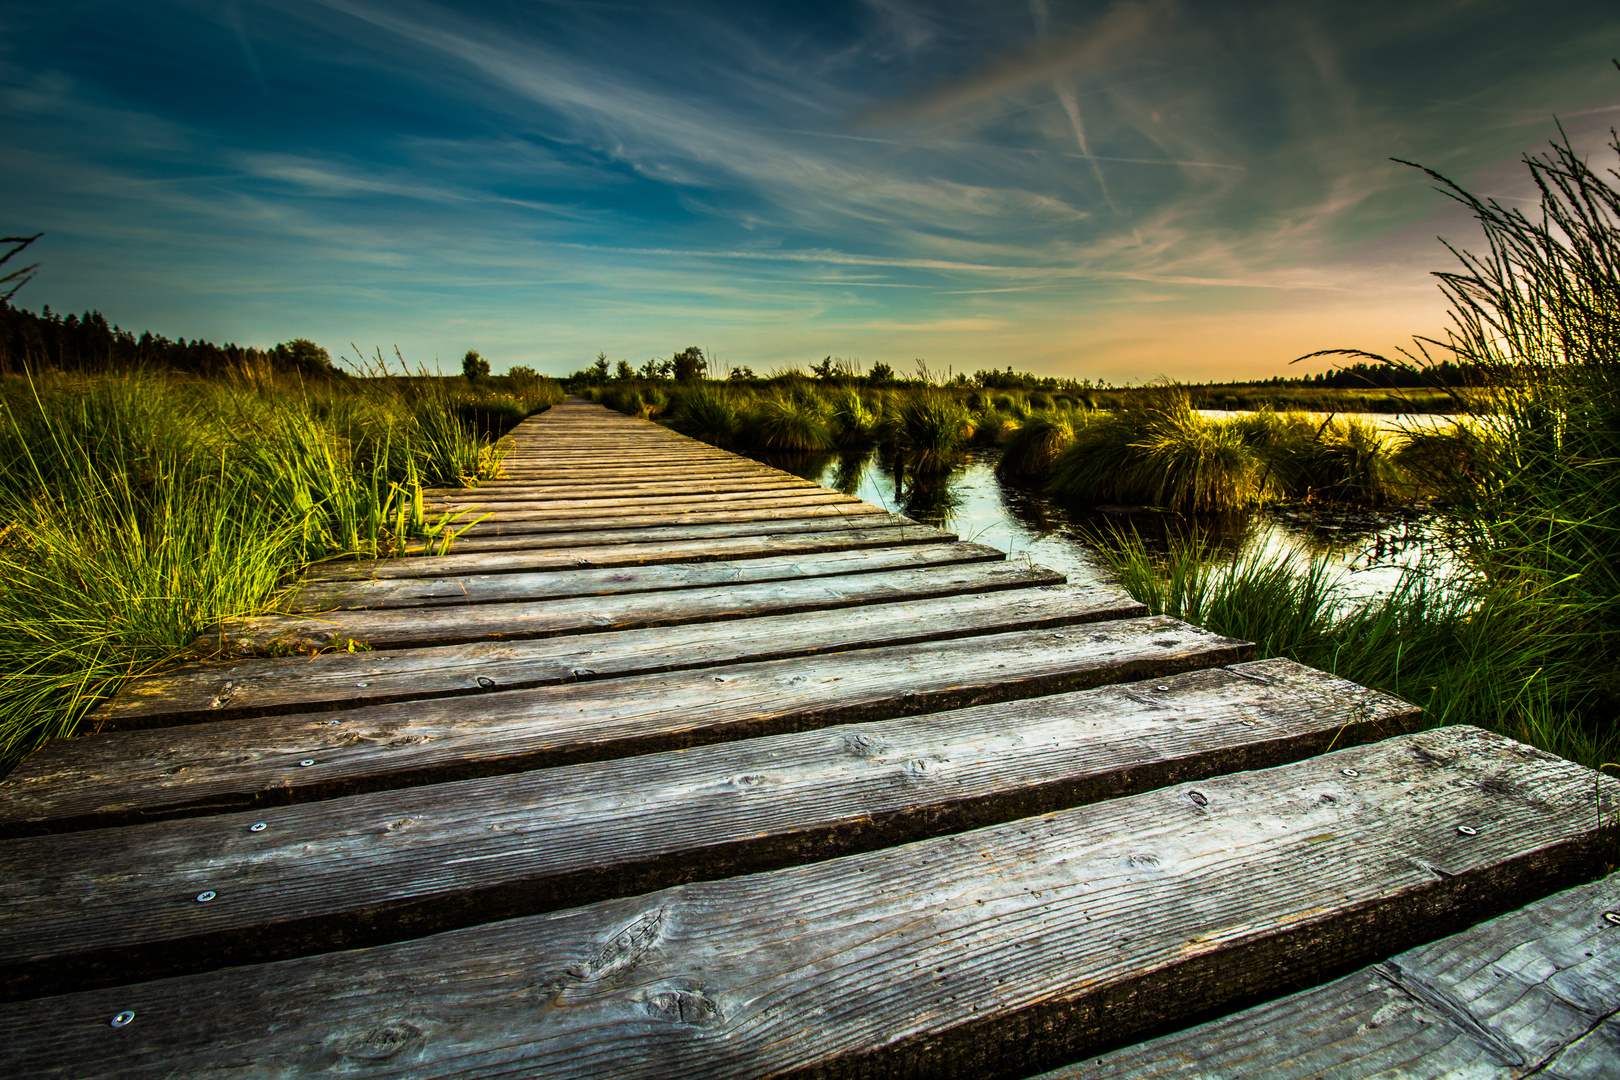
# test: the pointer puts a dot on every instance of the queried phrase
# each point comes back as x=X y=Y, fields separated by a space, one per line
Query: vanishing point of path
x=681 y=766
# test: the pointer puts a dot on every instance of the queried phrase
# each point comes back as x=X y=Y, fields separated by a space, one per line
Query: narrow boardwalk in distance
x=679 y=765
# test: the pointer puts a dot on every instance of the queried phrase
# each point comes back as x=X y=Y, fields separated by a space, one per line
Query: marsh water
x=1371 y=547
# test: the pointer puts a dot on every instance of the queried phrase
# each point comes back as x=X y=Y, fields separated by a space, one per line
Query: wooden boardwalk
x=679 y=765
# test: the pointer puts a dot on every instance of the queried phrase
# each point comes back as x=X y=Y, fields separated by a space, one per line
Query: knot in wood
x=382 y=1042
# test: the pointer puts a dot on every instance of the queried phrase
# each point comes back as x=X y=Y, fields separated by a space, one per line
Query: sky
x=1104 y=190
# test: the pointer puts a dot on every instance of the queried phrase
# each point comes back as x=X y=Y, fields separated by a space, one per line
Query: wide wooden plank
x=988 y=953
x=495 y=525
x=339 y=580
x=516 y=492
x=471 y=588
x=573 y=503
x=1533 y=992
x=348 y=872
x=405 y=628
x=607 y=470
x=666 y=511
x=122 y=777
x=496 y=541
x=343 y=680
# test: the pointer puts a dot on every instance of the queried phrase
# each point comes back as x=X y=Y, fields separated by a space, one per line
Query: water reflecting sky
x=971 y=502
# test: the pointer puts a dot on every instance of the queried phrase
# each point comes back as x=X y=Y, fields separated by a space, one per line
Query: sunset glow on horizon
x=1117 y=191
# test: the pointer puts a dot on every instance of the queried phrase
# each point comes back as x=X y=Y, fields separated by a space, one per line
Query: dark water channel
x=1372 y=547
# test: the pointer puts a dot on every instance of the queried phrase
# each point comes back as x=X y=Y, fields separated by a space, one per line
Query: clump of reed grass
x=854 y=422
x=789 y=423
x=1331 y=460
x=1158 y=452
x=707 y=414
x=990 y=428
x=1034 y=445
x=932 y=429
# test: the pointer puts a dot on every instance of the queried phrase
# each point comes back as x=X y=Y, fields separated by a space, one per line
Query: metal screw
x=122 y=1018
x=1467 y=830
x=258 y=826
x=485 y=683
x=307 y=762
x=362 y=684
x=1350 y=772
x=1613 y=917
x=204 y=897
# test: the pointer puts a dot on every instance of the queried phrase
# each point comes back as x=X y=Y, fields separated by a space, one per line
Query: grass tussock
x=1160 y=453
x=141 y=510
x=1031 y=448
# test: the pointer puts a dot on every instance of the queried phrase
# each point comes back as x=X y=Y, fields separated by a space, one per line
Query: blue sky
x=1115 y=190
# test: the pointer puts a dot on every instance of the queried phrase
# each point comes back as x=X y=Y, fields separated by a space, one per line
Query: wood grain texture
x=497 y=526
x=668 y=509
x=773 y=545
x=687 y=484
x=341 y=680
x=507 y=538
x=421 y=627
x=1534 y=992
x=997 y=950
x=375 y=868
x=123 y=777
x=581 y=503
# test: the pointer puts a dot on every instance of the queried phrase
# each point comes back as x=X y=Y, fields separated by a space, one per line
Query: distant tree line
x=87 y=343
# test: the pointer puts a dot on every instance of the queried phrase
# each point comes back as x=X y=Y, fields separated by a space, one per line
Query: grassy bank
x=1510 y=657
x=141 y=509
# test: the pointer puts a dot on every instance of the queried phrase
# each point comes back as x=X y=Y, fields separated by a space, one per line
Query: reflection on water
x=1372 y=547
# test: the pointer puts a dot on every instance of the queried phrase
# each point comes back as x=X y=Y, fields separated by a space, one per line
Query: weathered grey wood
x=373 y=868
x=341 y=680
x=518 y=492
x=499 y=526
x=586 y=472
x=406 y=628
x=984 y=954
x=1532 y=992
x=665 y=511
x=907 y=550
x=792 y=526
x=334 y=583
x=121 y=777
x=581 y=506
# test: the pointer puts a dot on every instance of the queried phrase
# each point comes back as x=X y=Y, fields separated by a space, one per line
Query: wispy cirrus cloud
x=939 y=179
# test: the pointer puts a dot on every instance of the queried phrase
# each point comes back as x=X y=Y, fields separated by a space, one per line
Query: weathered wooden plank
x=579 y=506
x=487 y=494
x=908 y=549
x=352 y=871
x=517 y=472
x=498 y=526
x=413 y=627
x=668 y=511
x=587 y=471
x=334 y=583
x=1533 y=992
x=996 y=950
x=792 y=526
x=342 y=680
x=123 y=777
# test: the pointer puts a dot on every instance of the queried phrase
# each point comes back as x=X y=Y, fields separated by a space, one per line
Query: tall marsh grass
x=141 y=510
x=1508 y=659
